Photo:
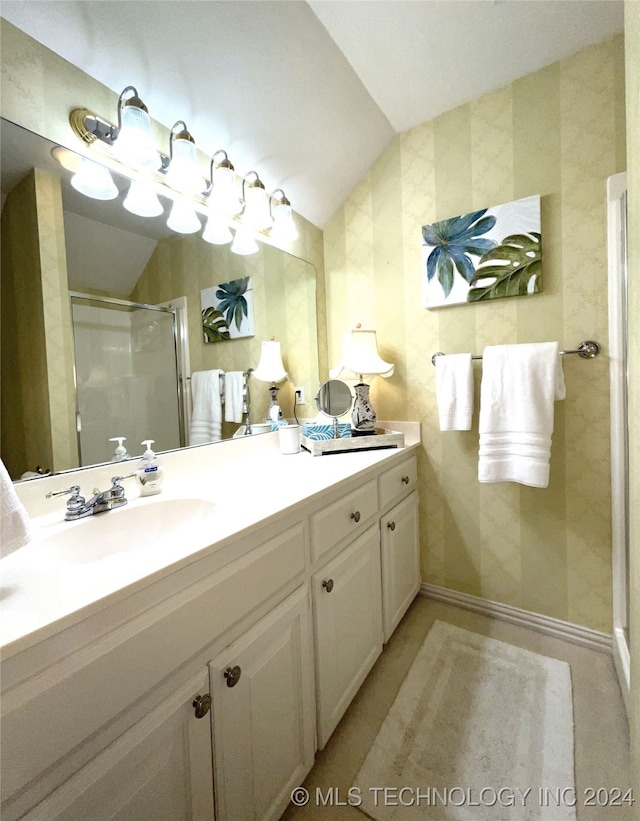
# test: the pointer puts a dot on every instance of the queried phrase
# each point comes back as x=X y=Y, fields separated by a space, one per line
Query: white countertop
x=49 y=585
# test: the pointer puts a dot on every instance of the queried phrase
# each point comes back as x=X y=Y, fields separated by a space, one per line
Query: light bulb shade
x=142 y=200
x=94 y=181
x=256 y=209
x=270 y=367
x=360 y=355
x=283 y=228
x=217 y=231
x=134 y=145
x=183 y=172
x=223 y=196
x=244 y=243
x=183 y=219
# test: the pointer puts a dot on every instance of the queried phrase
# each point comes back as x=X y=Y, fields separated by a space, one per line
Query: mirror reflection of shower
x=126 y=373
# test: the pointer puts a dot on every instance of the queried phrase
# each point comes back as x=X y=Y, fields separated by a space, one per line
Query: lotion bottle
x=149 y=471
x=121 y=451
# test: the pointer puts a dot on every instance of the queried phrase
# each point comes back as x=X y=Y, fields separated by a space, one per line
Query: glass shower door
x=126 y=377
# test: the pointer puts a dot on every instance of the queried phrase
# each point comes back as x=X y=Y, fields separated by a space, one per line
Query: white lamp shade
x=183 y=219
x=360 y=355
x=256 y=210
x=217 y=231
x=224 y=196
x=270 y=367
x=134 y=145
x=283 y=228
x=183 y=172
x=94 y=181
x=142 y=200
x=244 y=242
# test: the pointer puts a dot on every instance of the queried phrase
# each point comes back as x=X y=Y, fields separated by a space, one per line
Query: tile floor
x=601 y=733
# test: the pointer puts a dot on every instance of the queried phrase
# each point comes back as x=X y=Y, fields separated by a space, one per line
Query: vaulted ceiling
x=309 y=93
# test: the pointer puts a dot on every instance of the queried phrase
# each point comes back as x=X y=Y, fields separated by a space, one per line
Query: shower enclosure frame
x=177 y=341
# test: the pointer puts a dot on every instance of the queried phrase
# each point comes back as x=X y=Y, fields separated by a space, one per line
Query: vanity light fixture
x=221 y=193
x=183 y=218
x=256 y=212
x=244 y=243
x=183 y=173
x=133 y=143
x=271 y=369
x=283 y=228
x=360 y=355
x=142 y=200
x=94 y=180
x=216 y=232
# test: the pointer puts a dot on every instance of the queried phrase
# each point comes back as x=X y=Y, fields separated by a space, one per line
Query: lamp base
x=363 y=416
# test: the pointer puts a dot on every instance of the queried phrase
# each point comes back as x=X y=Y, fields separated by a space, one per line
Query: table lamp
x=360 y=355
x=271 y=369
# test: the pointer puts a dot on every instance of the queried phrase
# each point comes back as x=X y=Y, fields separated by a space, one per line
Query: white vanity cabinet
x=348 y=626
x=264 y=713
x=400 y=556
x=203 y=692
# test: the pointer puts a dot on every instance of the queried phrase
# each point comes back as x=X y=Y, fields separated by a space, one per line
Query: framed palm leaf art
x=483 y=255
x=227 y=310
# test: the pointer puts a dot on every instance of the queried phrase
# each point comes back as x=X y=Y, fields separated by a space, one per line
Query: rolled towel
x=454 y=391
x=15 y=529
x=520 y=384
x=233 y=385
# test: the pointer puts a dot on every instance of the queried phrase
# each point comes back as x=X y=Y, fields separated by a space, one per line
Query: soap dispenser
x=121 y=452
x=149 y=471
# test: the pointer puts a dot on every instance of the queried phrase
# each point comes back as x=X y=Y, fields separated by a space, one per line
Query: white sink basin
x=155 y=524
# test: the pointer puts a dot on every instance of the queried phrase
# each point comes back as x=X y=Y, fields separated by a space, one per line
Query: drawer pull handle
x=391 y=525
x=356 y=516
x=405 y=480
x=232 y=675
x=328 y=585
x=202 y=705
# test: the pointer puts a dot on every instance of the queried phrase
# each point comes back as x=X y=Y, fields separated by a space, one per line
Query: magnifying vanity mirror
x=56 y=242
x=334 y=400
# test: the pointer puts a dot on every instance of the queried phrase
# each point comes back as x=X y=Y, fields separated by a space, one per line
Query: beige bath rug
x=480 y=730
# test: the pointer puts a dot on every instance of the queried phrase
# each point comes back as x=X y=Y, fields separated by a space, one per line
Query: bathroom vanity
x=186 y=656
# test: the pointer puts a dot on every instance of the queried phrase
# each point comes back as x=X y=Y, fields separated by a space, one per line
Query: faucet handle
x=75 y=504
x=117 y=480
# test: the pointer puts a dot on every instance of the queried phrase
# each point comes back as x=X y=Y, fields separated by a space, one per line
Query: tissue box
x=316 y=431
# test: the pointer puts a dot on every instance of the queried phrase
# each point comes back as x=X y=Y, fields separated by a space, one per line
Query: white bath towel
x=454 y=391
x=15 y=531
x=206 y=417
x=233 y=384
x=519 y=386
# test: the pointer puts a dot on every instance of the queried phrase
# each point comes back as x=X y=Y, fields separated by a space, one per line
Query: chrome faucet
x=100 y=502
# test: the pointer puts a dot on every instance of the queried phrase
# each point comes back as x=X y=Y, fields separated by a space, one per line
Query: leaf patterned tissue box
x=313 y=430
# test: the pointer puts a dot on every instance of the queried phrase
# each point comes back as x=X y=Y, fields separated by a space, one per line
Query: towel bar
x=587 y=350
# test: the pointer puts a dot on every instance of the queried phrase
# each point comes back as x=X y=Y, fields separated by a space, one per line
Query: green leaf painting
x=485 y=254
x=514 y=268
x=214 y=325
x=227 y=310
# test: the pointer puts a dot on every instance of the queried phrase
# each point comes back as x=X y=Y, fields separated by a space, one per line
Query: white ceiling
x=308 y=94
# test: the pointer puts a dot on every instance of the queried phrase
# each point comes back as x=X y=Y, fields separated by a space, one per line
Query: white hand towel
x=454 y=391
x=233 y=385
x=206 y=417
x=15 y=530
x=519 y=386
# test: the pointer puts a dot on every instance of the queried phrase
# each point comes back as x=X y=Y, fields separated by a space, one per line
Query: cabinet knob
x=405 y=480
x=232 y=675
x=391 y=525
x=356 y=516
x=202 y=705
x=328 y=585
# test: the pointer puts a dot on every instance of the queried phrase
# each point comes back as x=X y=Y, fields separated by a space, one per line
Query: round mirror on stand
x=334 y=399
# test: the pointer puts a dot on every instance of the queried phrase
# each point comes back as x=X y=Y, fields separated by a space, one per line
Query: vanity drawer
x=342 y=518
x=397 y=482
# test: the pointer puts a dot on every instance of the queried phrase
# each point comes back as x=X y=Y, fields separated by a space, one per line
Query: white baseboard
x=575 y=633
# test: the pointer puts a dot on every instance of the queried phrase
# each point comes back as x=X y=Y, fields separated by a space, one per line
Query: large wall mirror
x=83 y=361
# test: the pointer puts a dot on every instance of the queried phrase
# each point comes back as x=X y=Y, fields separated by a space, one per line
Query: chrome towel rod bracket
x=587 y=350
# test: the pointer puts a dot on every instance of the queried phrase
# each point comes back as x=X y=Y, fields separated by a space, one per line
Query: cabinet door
x=348 y=626
x=160 y=769
x=400 y=561
x=264 y=714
